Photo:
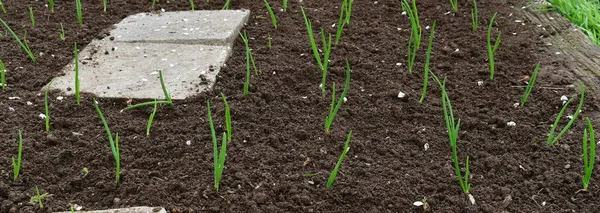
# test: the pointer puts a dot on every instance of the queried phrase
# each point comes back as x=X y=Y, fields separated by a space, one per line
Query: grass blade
x=2 y=7
x=339 y=163
x=31 y=16
x=311 y=38
x=271 y=14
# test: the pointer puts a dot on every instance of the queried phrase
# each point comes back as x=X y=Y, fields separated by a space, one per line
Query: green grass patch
x=226 y=5
x=168 y=100
x=339 y=163
x=583 y=13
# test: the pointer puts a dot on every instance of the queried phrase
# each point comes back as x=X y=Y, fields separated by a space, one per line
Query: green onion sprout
x=589 y=157
x=79 y=14
x=24 y=46
x=271 y=14
x=77 y=88
x=339 y=163
x=530 y=84
x=114 y=144
x=151 y=118
x=46 y=110
x=17 y=163
x=427 y=61
x=415 y=34
x=474 y=16
x=335 y=107
x=492 y=49
x=552 y=138
x=218 y=160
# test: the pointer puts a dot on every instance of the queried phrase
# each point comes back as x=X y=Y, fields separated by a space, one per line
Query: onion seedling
x=227 y=117
x=24 y=46
x=271 y=14
x=323 y=64
x=285 y=3
x=530 y=84
x=415 y=34
x=17 y=163
x=345 y=13
x=335 y=107
x=552 y=138
x=37 y=198
x=62 y=32
x=452 y=127
x=589 y=157
x=104 y=5
x=474 y=16
x=226 y=6
x=2 y=7
x=114 y=144
x=51 y=5
x=151 y=118
x=218 y=160
x=269 y=41
x=168 y=100
x=153 y=4
x=454 y=4
x=2 y=75
x=249 y=59
x=192 y=5
x=77 y=88
x=78 y=9
x=492 y=49
x=46 y=108
x=339 y=163
x=427 y=60
x=31 y=16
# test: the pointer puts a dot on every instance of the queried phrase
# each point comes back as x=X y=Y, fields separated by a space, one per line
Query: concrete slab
x=141 y=209
x=126 y=63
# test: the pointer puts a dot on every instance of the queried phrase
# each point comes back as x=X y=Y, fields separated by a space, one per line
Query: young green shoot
x=345 y=13
x=168 y=100
x=46 y=108
x=474 y=16
x=335 y=107
x=114 y=143
x=2 y=75
x=24 y=46
x=249 y=60
x=62 y=32
x=285 y=3
x=454 y=4
x=492 y=49
x=192 y=5
x=151 y=118
x=452 y=127
x=37 y=198
x=218 y=159
x=51 y=5
x=552 y=138
x=589 y=157
x=79 y=13
x=227 y=117
x=31 y=16
x=153 y=4
x=339 y=163
x=414 y=41
x=322 y=63
x=226 y=6
x=2 y=7
x=104 y=5
x=427 y=61
x=17 y=163
x=271 y=14
x=77 y=88
x=530 y=84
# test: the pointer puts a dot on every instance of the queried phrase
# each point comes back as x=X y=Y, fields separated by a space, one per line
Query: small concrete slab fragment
x=189 y=47
x=141 y=209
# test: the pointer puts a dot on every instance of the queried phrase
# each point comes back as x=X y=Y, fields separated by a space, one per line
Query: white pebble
x=345 y=99
x=401 y=95
x=42 y=116
x=426 y=146
x=511 y=123
x=418 y=203
x=479 y=83
x=13 y=109
x=60 y=98
x=188 y=143
x=472 y=199
x=29 y=103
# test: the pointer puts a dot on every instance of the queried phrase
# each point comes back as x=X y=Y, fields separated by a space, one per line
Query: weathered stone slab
x=189 y=47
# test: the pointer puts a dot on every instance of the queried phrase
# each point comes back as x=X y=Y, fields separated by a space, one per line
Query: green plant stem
x=164 y=88
x=2 y=7
x=339 y=163
x=17 y=164
x=492 y=49
x=114 y=144
x=285 y=3
x=151 y=118
x=147 y=104
x=454 y=4
x=51 y=5
x=271 y=14
x=2 y=75
x=530 y=84
x=153 y=4
x=104 y=5
x=46 y=108
x=333 y=110
x=325 y=66
x=226 y=6
x=427 y=62
x=269 y=41
x=474 y=16
x=79 y=13
x=192 y=5
x=227 y=117
x=414 y=41
x=24 y=46
x=589 y=157
x=31 y=16
x=218 y=160
x=552 y=139
x=77 y=88
x=62 y=32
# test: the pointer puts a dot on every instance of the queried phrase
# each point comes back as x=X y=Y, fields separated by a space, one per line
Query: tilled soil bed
x=278 y=133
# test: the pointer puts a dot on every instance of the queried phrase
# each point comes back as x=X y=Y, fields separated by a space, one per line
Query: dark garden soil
x=278 y=132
